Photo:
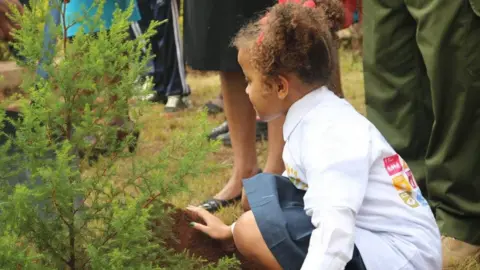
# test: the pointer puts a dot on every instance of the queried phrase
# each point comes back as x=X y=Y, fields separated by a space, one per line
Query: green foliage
x=57 y=210
x=4 y=51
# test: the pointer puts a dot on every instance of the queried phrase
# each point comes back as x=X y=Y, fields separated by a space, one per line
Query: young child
x=346 y=200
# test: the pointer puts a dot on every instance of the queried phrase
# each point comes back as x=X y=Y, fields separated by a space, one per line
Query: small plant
x=58 y=211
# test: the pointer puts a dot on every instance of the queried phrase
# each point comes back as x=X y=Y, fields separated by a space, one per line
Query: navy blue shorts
x=279 y=212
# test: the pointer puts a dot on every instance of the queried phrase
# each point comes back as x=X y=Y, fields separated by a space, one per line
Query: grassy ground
x=160 y=126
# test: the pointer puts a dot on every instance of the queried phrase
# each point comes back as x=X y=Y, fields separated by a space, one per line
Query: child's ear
x=282 y=87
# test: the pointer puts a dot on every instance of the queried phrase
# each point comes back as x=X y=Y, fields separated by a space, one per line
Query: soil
x=12 y=75
x=201 y=245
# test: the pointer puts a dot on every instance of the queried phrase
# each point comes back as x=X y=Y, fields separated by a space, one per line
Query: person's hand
x=215 y=228
x=6 y=25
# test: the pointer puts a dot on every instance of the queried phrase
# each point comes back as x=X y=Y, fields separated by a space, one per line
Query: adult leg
x=164 y=70
x=241 y=122
x=177 y=94
x=449 y=39
x=250 y=243
x=396 y=85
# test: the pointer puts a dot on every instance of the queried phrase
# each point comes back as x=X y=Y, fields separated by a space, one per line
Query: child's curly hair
x=295 y=39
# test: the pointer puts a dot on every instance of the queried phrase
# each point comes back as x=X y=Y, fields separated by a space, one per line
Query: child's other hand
x=215 y=228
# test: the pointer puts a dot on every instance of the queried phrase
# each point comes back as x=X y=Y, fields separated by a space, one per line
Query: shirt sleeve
x=337 y=163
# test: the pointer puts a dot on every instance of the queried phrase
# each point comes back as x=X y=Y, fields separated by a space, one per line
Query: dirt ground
x=198 y=244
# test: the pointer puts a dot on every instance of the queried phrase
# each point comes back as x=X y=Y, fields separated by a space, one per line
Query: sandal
x=261 y=134
x=222 y=129
x=215 y=106
x=212 y=205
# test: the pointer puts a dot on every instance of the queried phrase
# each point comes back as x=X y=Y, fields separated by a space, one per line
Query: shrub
x=59 y=211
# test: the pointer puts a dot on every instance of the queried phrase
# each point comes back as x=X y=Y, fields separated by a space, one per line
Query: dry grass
x=158 y=128
x=470 y=264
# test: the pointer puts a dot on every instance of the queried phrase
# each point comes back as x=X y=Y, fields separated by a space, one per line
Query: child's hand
x=215 y=228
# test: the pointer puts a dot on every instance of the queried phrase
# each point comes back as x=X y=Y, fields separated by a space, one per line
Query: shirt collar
x=301 y=108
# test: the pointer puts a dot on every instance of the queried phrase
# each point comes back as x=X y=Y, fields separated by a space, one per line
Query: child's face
x=268 y=103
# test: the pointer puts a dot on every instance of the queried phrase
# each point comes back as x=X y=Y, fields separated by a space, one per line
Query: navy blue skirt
x=279 y=212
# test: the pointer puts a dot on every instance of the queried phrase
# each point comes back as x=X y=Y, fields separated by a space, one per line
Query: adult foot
x=230 y=194
x=215 y=106
x=156 y=97
x=261 y=134
x=177 y=103
x=222 y=129
x=456 y=252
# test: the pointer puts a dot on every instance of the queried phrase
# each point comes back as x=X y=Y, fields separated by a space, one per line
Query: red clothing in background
x=349 y=7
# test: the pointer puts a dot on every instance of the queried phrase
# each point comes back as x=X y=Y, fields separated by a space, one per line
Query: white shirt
x=359 y=191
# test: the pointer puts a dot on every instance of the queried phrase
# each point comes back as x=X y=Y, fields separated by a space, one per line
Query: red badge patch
x=393 y=165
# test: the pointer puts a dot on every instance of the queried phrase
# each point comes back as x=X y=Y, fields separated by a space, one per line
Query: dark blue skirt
x=279 y=212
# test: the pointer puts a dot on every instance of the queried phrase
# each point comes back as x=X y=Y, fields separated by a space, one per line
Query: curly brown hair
x=295 y=39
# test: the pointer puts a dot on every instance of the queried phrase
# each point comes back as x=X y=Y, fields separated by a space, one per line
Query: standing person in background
x=165 y=70
x=209 y=28
x=422 y=83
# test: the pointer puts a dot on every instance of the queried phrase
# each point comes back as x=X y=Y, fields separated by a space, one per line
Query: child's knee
x=246 y=232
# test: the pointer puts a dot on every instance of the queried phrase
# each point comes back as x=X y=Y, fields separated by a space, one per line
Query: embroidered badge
x=408 y=199
x=392 y=164
x=404 y=181
x=401 y=184
x=421 y=199
x=292 y=175
x=411 y=179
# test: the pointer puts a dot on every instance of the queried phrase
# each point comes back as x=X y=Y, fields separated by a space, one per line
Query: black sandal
x=222 y=129
x=213 y=108
x=261 y=134
x=212 y=205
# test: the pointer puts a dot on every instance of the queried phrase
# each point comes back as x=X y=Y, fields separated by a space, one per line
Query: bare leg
x=276 y=143
x=250 y=243
x=241 y=123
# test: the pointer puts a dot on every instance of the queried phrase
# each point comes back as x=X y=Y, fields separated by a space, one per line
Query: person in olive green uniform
x=422 y=82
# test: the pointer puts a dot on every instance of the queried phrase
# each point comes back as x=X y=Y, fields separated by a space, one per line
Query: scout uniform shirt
x=358 y=190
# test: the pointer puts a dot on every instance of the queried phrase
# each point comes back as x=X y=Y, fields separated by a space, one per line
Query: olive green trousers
x=422 y=83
